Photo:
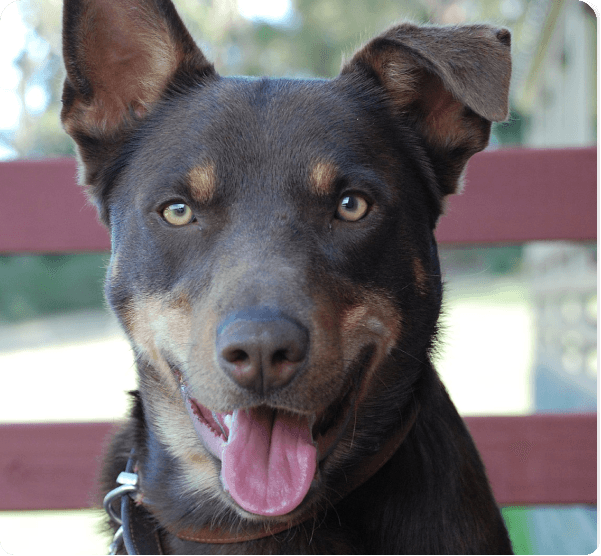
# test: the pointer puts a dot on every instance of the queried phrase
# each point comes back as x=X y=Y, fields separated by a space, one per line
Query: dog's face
x=273 y=262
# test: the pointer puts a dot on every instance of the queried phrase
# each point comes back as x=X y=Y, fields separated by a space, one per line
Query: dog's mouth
x=269 y=457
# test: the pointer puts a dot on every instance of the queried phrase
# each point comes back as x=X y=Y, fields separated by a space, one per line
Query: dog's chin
x=270 y=457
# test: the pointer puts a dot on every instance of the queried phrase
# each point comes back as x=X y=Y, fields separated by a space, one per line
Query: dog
x=275 y=269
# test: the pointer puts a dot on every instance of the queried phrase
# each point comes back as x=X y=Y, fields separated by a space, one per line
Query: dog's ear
x=450 y=83
x=120 y=57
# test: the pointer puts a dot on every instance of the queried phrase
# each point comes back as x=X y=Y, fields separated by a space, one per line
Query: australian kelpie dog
x=274 y=267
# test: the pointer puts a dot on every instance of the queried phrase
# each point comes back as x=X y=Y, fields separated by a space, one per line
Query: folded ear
x=450 y=83
x=120 y=56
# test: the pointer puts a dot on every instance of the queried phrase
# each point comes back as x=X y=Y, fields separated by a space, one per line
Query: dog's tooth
x=227 y=419
x=216 y=418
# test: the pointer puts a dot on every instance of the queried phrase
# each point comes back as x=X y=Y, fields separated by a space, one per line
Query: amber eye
x=352 y=207
x=178 y=214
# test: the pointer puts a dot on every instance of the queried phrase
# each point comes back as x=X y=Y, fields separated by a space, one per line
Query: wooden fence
x=512 y=196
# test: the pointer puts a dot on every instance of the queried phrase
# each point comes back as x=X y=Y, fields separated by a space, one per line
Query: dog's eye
x=178 y=214
x=352 y=207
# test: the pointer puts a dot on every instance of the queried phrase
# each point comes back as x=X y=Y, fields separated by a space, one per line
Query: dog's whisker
x=410 y=355
x=354 y=428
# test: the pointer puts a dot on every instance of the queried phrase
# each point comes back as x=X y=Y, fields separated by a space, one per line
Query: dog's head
x=273 y=260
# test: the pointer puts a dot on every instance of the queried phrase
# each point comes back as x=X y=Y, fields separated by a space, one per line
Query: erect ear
x=450 y=83
x=120 y=57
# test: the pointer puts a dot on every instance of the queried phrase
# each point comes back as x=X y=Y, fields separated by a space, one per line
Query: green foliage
x=516 y=521
x=498 y=260
x=511 y=132
x=34 y=285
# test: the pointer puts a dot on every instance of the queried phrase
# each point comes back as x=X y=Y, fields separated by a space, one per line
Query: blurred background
x=540 y=298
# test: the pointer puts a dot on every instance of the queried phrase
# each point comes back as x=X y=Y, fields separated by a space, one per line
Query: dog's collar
x=139 y=531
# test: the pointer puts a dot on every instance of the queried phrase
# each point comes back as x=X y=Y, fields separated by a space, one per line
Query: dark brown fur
x=264 y=164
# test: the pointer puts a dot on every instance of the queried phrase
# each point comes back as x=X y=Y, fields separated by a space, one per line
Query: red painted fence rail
x=537 y=459
x=511 y=196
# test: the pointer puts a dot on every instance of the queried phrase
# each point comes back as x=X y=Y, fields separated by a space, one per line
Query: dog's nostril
x=293 y=354
x=236 y=356
x=281 y=356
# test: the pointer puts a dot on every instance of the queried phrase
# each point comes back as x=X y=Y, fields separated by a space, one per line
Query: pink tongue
x=269 y=460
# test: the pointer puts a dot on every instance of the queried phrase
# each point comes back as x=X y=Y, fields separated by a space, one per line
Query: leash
x=138 y=531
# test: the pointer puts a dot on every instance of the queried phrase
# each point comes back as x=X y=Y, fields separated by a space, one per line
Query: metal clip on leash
x=128 y=481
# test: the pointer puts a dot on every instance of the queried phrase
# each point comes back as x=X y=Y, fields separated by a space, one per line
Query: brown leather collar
x=371 y=465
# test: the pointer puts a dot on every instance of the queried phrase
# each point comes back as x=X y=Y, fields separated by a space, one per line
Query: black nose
x=261 y=348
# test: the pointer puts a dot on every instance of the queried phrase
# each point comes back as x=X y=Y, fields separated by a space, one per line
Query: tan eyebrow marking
x=203 y=181
x=323 y=177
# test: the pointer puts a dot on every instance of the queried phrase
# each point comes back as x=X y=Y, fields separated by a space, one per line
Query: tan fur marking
x=374 y=320
x=177 y=433
x=323 y=177
x=352 y=318
x=202 y=180
x=163 y=325
x=159 y=325
x=421 y=278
